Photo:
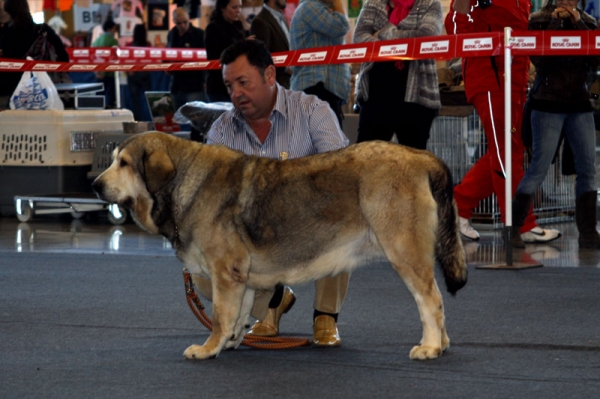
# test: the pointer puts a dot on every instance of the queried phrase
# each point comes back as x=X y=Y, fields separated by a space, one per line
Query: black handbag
x=526 y=134
x=43 y=50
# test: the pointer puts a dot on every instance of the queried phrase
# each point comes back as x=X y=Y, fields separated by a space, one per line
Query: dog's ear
x=158 y=170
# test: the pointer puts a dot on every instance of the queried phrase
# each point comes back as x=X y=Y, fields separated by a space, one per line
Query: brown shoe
x=269 y=327
x=325 y=332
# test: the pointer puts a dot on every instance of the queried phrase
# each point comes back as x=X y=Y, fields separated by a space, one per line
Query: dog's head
x=141 y=167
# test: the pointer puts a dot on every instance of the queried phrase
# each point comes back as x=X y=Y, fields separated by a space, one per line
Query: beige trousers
x=330 y=293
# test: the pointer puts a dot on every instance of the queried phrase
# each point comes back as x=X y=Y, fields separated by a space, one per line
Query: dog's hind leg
x=243 y=322
x=418 y=276
x=411 y=253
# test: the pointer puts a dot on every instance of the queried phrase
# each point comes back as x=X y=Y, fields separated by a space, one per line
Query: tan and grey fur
x=250 y=223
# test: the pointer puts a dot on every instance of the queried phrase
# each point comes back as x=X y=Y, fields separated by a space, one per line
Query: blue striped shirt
x=301 y=125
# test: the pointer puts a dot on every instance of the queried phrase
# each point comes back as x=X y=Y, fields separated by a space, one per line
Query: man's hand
x=338 y=6
x=566 y=12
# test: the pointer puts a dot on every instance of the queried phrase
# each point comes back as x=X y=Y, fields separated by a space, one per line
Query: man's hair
x=255 y=50
x=180 y=11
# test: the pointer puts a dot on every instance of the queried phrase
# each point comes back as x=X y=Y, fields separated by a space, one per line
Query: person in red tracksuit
x=484 y=87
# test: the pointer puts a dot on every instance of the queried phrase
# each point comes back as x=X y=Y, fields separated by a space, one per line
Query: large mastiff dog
x=250 y=223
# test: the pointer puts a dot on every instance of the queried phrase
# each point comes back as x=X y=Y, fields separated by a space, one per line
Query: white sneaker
x=537 y=234
x=467 y=230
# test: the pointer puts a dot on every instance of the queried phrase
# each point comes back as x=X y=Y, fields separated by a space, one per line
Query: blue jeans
x=581 y=133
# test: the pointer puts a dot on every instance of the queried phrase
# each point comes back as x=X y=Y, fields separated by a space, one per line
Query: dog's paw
x=421 y=352
x=199 y=352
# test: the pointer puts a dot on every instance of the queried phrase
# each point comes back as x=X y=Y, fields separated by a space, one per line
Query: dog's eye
x=123 y=163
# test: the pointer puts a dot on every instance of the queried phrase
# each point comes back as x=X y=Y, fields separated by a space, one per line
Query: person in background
x=319 y=23
x=108 y=39
x=270 y=121
x=186 y=86
x=223 y=29
x=484 y=86
x=559 y=99
x=271 y=27
x=19 y=33
x=139 y=81
x=400 y=97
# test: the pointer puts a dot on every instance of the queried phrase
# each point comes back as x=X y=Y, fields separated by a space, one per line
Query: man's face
x=182 y=22
x=251 y=91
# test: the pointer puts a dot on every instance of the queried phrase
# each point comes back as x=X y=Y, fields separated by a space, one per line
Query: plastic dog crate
x=55 y=138
x=49 y=153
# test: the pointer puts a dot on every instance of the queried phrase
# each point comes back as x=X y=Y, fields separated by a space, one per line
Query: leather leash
x=249 y=340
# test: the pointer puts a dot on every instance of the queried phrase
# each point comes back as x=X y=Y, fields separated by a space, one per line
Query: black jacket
x=561 y=83
x=189 y=81
x=266 y=28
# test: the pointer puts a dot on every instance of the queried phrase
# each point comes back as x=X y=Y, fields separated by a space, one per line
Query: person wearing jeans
x=560 y=99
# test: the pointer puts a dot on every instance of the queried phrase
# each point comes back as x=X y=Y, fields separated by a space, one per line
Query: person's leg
x=109 y=91
x=530 y=232
x=268 y=308
x=546 y=130
x=497 y=151
x=476 y=185
x=413 y=123
x=581 y=133
x=261 y=298
x=371 y=124
x=330 y=293
x=134 y=88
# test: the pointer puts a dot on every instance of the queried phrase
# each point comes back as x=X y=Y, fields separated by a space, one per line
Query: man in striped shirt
x=270 y=121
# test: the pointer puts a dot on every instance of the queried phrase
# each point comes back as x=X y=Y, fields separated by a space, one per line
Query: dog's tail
x=449 y=252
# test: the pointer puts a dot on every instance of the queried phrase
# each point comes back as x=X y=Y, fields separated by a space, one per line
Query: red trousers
x=486 y=177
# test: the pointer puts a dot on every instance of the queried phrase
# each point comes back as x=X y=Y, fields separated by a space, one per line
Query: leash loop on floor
x=249 y=340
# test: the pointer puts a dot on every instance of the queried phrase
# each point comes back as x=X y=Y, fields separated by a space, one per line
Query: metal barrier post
x=507 y=232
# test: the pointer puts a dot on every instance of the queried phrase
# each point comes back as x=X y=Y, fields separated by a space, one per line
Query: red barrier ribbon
x=445 y=47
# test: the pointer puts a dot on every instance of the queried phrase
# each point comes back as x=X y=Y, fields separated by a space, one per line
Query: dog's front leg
x=243 y=322
x=228 y=295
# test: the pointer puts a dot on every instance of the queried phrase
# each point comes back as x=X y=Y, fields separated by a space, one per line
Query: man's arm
x=215 y=134
x=330 y=23
x=429 y=25
x=324 y=129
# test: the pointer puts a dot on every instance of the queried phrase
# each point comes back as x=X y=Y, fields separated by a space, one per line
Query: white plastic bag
x=36 y=91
